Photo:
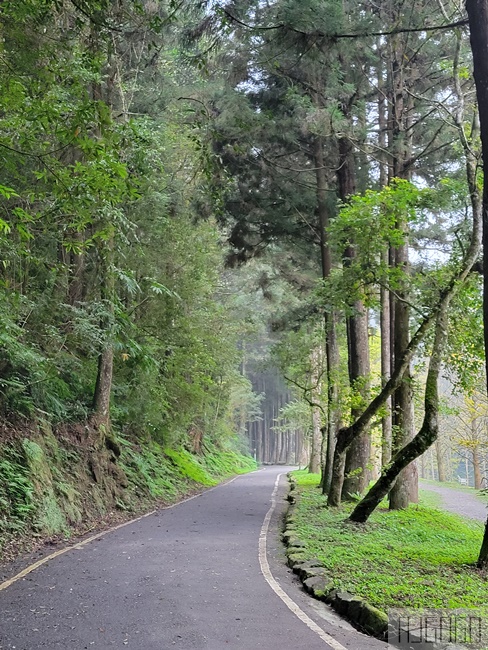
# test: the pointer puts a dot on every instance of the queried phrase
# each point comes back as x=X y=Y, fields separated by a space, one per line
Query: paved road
x=188 y=577
x=458 y=501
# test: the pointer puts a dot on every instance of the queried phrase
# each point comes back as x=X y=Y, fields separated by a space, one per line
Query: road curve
x=187 y=577
x=459 y=501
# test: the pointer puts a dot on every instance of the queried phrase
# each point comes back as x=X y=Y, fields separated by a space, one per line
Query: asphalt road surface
x=188 y=577
x=459 y=501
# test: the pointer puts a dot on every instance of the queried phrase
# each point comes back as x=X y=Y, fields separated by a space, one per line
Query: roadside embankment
x=54 y=486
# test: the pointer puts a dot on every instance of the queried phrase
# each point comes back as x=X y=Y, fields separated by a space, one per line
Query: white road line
x=48 y=558
x=268 y=576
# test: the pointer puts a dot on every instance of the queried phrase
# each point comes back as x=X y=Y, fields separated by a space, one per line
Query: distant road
x=187 y=577
x=459 y=501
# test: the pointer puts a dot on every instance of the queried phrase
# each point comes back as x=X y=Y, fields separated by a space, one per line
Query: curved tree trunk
x=426 y=436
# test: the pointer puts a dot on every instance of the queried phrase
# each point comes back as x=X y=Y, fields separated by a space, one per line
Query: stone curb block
x=316 y=582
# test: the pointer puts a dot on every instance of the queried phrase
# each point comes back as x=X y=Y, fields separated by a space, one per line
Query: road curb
x=318 y=584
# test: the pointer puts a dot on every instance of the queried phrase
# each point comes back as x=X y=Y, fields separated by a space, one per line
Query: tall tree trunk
x=386 y=422
x=404 y=490
x=315 y=464
x=330 y=318
x=106 y=252
x=103 y=386
x=406 y=486
x=385 y=316
x=478 y=23
x=358 y=456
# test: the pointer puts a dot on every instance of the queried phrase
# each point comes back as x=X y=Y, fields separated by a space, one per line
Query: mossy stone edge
x=316 y=582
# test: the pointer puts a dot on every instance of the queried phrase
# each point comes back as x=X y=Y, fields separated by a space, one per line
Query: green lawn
x=420 y=557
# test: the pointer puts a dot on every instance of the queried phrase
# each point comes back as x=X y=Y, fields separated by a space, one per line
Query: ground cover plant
x=419 y=557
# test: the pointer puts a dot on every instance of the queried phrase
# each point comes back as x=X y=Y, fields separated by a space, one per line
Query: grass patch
x=430 y=499
x=420 y=557
x=190 y=467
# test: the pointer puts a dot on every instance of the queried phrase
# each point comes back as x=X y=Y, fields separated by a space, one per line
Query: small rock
x=373 y=620
x=318 y=586
x=294 y=557
x=341 y=602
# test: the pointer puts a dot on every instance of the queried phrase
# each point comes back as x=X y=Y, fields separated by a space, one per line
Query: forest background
x=250 y=227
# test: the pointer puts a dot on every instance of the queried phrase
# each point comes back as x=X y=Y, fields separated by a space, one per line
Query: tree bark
x=385 y=325
x=103 y=386
x=385 y=309
x=358 y=455
x=315 y=464
x=441 y=465
x=478 y=24
x=406 y=487
x=475 y=457
x=330 y=318
x=404 y=490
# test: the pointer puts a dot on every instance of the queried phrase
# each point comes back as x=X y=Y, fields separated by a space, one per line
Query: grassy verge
x=421 y=557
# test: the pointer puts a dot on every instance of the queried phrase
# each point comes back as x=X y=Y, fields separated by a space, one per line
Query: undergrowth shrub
x=16 y=491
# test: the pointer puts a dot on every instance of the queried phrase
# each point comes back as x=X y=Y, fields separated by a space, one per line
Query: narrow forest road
x=187 y=577
x=458 y=501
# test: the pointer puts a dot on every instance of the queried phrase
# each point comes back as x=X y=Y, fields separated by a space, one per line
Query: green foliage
x=369 y=224
x=222 y=463
x=149 y=473
x=16 y=491
x=101 y=235
x=465 y=356
x=294 y=415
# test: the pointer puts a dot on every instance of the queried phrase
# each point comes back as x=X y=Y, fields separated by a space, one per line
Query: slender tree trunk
x=404 y=490
x=385 y=311
x=103 y=386
x=106 y=251
x=406 y=486
x=315 y=464
x=475 y=457
x=386 y=422
x=441 y=465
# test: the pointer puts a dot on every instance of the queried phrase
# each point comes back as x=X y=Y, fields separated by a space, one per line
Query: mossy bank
x=56 y=484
